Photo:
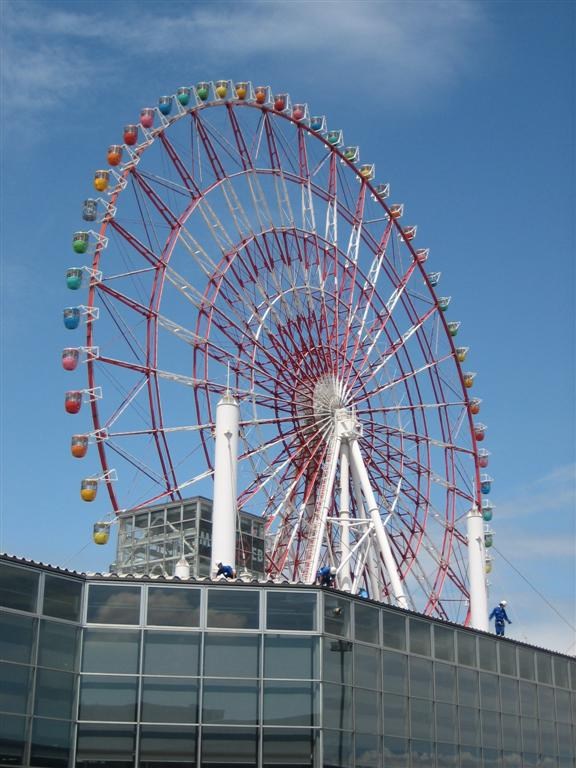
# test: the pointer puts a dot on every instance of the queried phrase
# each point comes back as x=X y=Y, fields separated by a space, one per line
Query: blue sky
x=469 y=107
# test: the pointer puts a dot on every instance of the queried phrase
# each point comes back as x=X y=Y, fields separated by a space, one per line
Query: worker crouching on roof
x=225 y=570
x=500 y=616
x=326 y=576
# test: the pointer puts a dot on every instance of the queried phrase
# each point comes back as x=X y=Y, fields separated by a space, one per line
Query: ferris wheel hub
x=329 y=398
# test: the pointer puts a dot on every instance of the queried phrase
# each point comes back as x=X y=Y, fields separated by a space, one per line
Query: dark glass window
x=547 y=731
x=367 y=748
x=511 y=732
x=336 y=615
x=338 y=660
x=18 y=588
x=421 y=679
x=58 y=646
x=563 y=706
x=528 y=701
x=293 y=704
x=561 y=672
x=445 y=682
x=16 y=637
x=544 y=668
x=421 y=719
x=447 y=756
x=395 y=672
x=230 y=701
x=487 y=654
x=62 y=598
x=337 y=706
x=54 y=694
x=565 y=747
x=294 y=611
x=489 y=691
x=366 y=711
x=15 y=688
x=444 y=643
x=526 y=664
x=420 y=637
x=529 y=734
x=466 y=648
x=422 y=753
x=338 y=749
x=470 y=757
x=395 y=714
x=288 y=746
x=468 y=688
x=366 y=623
x=291 y=656
x=169 y=700
x=231 y=655
x=546 y=702
x=507 y=653
x=469 y=724
x=111 y=650
x=108 y=698
x=12 y=740
x=160 y=744
x=367 y=673
x=171 y=653
x=51 y=742
x=491 y=733
x=101 y=744
x=229 y=747
x=393 y=630
x=396 y=753
x=173 y=607
x=509 y=695
x=113 y=604
x=446 y=722
x=492 y=758
x=233 y=609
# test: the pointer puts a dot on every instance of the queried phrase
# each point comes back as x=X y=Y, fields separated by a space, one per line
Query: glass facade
x=110 y=672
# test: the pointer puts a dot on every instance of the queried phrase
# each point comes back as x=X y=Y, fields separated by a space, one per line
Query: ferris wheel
x=241 y=247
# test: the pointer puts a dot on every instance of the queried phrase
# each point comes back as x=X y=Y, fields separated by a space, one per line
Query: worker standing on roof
x=225 y=570
x=326 y=576
x=500 y=616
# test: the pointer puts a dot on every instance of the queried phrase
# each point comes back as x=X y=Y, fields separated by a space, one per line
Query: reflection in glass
x=526 y=664
x=291 y=656
x=487 y=654
x=366 y=711
x=447 y=755
x=231 y=655
x=16 y=637
x=492 y=758
x=229 y=746
x=511 y=732
x=230 y=701
x=292 y=746
x=293 y=704
x=366 y=623
x=420 y=637
x=338 y=661
x=544 y=668
x=15 y=688
x=445 y=682
x=561 y=672
x=563 y=706
x=547 y=730
x=160 y=744
x=489 y=691
x=367 y=672
x=173 y=607
x=12 y=739
x=396 y=753
x=113 y=604
x=336 y=615
x=446 y=723
x=466 y=648
x=367 y=749
x=421 y=719
x=528 y=701
x=468 y=688
x=469 y=723
x=395 y=672
x=393 y=630
x=59 y=645
x=62 y=598
x=101 y=744
x=337 y=706
x=171 y=653
x=507 y=652
x=291 y=611
x=169 y=700
x=18 y=587
x=338 y=751
x=395 y=715
x=470 y=757
x=54 y=693
x=111 y=650
x=509 y=695
x=546 y=702
x=421 y=678
x=444 y=643
x=51 y=741
x=422 y=754
x=529 y=727
x=233 y=609
x=108 y=698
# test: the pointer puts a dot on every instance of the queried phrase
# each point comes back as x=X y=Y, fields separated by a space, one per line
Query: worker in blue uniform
x=326 y=576
x=500 y=616
x=225 y=570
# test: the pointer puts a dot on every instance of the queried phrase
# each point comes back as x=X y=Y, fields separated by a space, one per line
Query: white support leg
x=326 y=491
x=376 y=588
x=345 y=580
x=225 y=474
x=476 y=577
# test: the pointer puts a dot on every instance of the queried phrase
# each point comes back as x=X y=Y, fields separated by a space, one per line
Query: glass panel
x=111 y=650
x=526 y=664
x=15 y=688
x=291 y=703
x=18 y=588
x=54 y=694
x=529 y=734
x=546 y=702
x=544 y=668
x=396 y=753
x=423 y=754
x=470 y=757
x=367 y=672
x=338 y=660
x=109 y=604
x=420 y=637
x=367 y=750
x=421 y=719
x=62 y=598
x=51 y=741
x=395 y=714
x=468 y=688
x=230 y=701
x=288 y=746
x=59 y=645
x=100 y=744
x=173 y=607
x=445 y=682
x=421 y=679
x=169 y=700
x=563 y=706
x=446 y=723
x=528 y=703
x=16 y=637
x=336 y=615
x=12 y=740
x=509 y=695
x=447 y=755
x=231 y=655
x=469 y=722
x=366 y=623
x=491 y=734
x=291 y=610
x=487 y=654
x=393 y=630
x=547 y=730
x=337 y=706
x=530 y=760
x=108 y=698
x=229 y=746
x=171 y=653
x=507 y=653
x=492 y=758
x=395 y=672
x=512 y=759
x=511 y=732
x=564 y=739
x=561 y=672
x=338 y=751
x=161 y=744
x=233 y=609
x=444 y=643
x=466 y=649
x=290 y=656
x=489 y=692
x=366 y=711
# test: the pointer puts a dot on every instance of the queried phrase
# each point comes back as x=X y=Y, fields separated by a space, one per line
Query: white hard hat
x=503 y=602
x=333 y=571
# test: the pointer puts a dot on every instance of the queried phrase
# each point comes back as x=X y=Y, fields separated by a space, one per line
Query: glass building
x=109 y=671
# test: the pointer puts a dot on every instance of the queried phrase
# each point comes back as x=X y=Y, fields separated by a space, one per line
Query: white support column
x=225 y=473
x=476 y=577
x=376 y=588
x=345 y=580
x=396 y=584
x=322 y=509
